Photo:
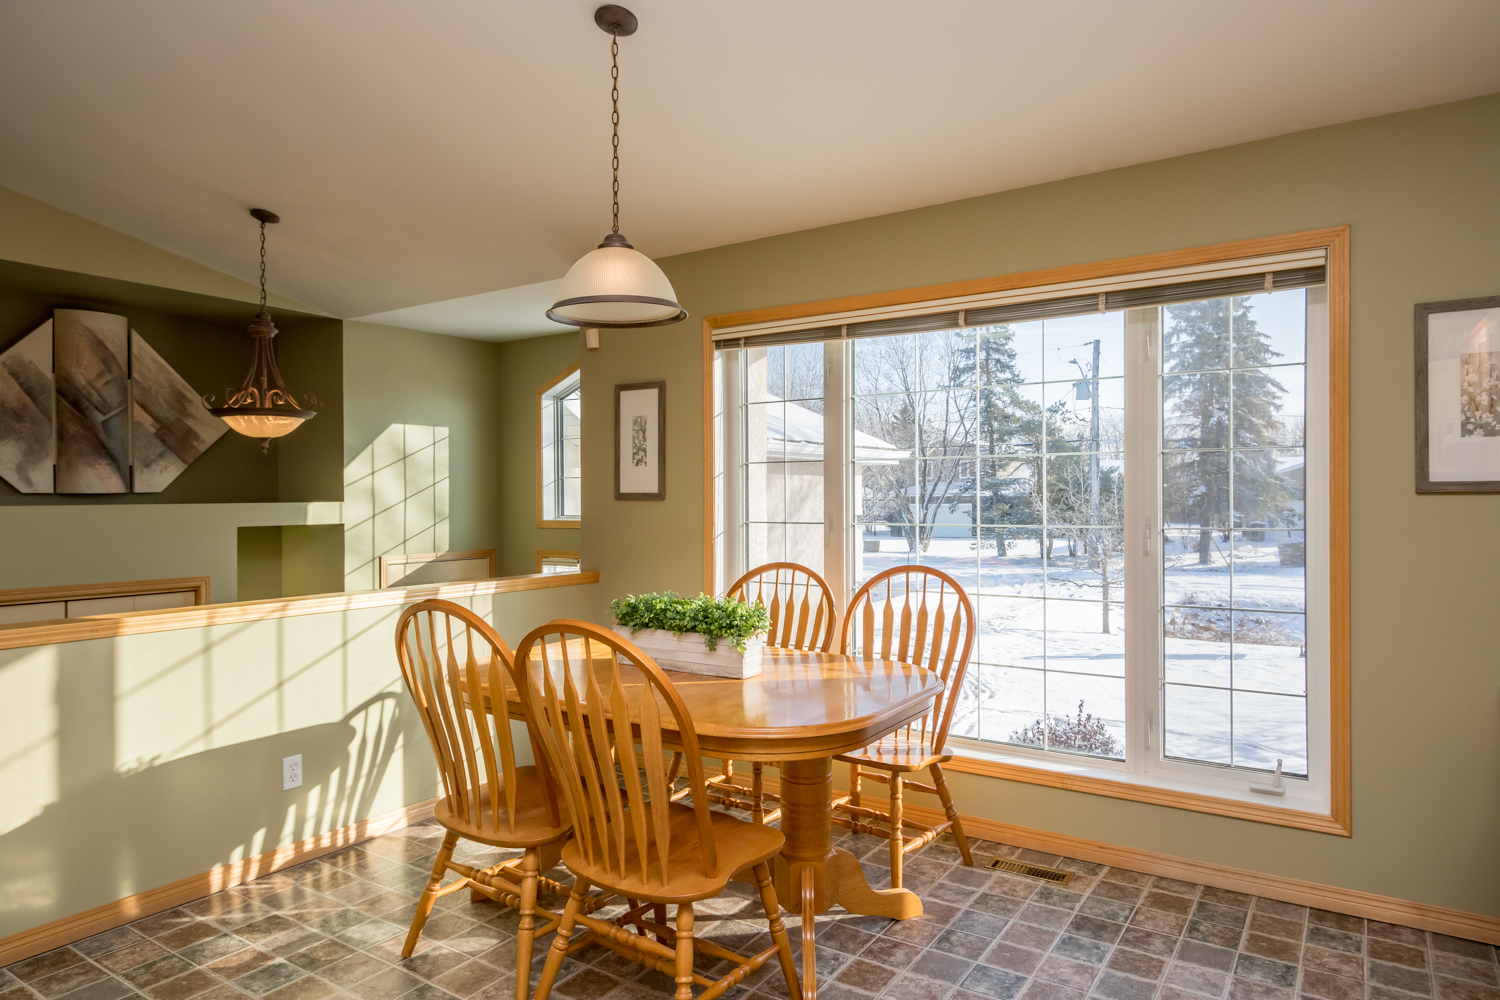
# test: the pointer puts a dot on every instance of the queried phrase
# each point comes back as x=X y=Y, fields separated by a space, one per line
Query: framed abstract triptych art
x=640 y=441
x=1458 y=396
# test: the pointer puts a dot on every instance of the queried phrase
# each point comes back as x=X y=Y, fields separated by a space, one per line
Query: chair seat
x=891 y=756
x=738 y=845
x=533 y=826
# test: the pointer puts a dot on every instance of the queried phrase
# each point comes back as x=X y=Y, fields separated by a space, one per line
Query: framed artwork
x=1458 y=396
x=640 y=441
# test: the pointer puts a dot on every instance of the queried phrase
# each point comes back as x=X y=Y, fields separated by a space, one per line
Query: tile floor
x=333 y=928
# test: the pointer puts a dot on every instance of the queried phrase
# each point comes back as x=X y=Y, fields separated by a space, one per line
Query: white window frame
x=1319 y=801
x=549 y=479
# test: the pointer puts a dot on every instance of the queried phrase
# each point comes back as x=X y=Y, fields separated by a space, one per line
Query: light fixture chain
x=614 y=117
x=262 y=266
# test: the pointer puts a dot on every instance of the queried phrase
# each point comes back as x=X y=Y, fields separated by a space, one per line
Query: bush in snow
x=1082 y=733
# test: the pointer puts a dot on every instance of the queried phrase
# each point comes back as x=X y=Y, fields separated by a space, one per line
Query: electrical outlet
x=291 y=772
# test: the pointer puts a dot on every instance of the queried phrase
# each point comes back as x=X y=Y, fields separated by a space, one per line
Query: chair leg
x=941 y=785
x=779 y=936
x=897 y=843
x=429 y=893
x=659 y=914
x=559 y=949
x=854 y=780
x=757 y=795
x=684 y=953
x=526 y=934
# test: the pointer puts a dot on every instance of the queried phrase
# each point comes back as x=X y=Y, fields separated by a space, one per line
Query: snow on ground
x=1041 y=646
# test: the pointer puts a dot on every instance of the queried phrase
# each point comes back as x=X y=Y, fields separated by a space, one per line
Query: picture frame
x=1458 y=395
x=640 y=441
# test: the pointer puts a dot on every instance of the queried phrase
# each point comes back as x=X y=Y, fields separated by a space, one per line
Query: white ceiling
x=426 y=156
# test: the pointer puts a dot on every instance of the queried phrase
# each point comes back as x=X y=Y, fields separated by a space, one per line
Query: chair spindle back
x=451 y=660
x=801 y=605
x=596 y=698
x=916 y=615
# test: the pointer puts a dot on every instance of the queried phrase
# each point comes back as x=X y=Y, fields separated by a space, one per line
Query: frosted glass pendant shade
x=615 y=286
x=263 y=425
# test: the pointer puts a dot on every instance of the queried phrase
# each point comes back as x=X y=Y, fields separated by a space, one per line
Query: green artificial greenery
x=713 y=618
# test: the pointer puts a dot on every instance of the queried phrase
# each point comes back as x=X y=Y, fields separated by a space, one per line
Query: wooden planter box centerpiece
x=719 y=637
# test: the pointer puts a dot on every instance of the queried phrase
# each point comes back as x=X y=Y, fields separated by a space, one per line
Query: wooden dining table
x=803 y=708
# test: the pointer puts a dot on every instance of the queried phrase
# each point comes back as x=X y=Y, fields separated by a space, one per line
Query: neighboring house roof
x=800 y=431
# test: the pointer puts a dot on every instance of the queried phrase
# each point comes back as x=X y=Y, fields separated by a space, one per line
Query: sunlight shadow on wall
x=395 y=500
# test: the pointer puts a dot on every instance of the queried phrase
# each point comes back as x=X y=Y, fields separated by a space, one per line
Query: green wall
x=526 y=366
x=1421 y=194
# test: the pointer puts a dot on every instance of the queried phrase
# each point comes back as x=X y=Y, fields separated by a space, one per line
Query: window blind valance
x=1253 y=276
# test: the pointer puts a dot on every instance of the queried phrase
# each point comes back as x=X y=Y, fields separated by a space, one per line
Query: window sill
x=1079 y=776
x=572 y=522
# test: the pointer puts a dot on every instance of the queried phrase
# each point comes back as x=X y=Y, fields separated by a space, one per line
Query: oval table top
x=801 y=706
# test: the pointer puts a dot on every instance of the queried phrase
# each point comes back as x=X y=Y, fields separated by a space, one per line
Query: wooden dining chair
x=803 y=616
x=451 y=659
x=916 y=615
x=598 y=701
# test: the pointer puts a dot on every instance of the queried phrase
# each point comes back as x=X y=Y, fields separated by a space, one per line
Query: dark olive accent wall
x=203 y=338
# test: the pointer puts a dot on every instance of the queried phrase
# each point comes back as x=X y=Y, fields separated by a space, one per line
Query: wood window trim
x=390 y=563
x=199 y=585
x=542 y=554
x=541 y=394
x=1339 y=819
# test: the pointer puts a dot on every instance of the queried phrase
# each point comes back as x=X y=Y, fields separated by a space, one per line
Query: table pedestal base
x=810 y=875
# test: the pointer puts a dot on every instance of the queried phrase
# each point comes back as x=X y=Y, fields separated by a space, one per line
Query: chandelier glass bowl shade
x=615 y=286
x=263 y=407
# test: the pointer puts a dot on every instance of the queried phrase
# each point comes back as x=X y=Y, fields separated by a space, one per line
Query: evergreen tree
x=1201 y=340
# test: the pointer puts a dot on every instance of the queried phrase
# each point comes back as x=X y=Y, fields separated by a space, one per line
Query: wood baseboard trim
x=143 y=904
x=1456 y=923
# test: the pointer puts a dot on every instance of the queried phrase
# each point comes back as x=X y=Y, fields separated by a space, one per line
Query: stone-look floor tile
x=1218 y=913
x=1386 y=950
x=72 y=978
x=1168 y=902
x=1394 y=932
x=223 y=991
x=1066 y=972
x=45 y=965
x=1038 y=989
x=1211 y=933
x=352 y=970
x=1206 y=955
x=1159 y=921
x=1013 y=958
x=212 y=949
x=268 y=978
x=1095 y=929
x=1458 y=967
x=187 y=935
x=1276 y=908
x=108 y=988
x=142 y=977
x=161 y=923
x=1176 y=886
x=1000 y=906
x=937 y=965
x=1330 y=987
x=996 y=983
x=1400 y=977
x=1149 y=942
x=473 y=976
x=1081 y=949
x=306 y=988
x=1238 y=900
x=1126 y=876
x=1250 y=989
x=187 y=985
x=432 y=963
x=863 y=975
x=234 y=966
x=1029 y=935
x=1196 y=979
x=1266 y=970
x=1106 y=909
x=386 y=985
x=1119 y=892
x=129 y=957
x=1137 y=964
x=1266 y=946
x=956 y=942
x=586 y=984
x=1338 y=963
x=886 y=951
x=1338 y=921
x=1336 y=940
x=320 y=956
x=1118 y=987
x=1459 y=989
x=1458 y=946
x=108 y=942
x=913 y=987
x=985 y=925
x=1174 y=993
x=1273 y=926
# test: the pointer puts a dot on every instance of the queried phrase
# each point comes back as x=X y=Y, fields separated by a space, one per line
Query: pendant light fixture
x=263 y=407
x=615 y=286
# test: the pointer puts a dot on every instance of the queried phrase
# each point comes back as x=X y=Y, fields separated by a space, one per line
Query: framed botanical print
x=1458 y=396
x=640 y=441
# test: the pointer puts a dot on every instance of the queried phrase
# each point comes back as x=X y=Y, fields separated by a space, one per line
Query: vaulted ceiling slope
x=421 y=153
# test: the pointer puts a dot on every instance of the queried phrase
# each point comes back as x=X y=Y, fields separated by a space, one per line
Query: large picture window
x=1135 y=496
